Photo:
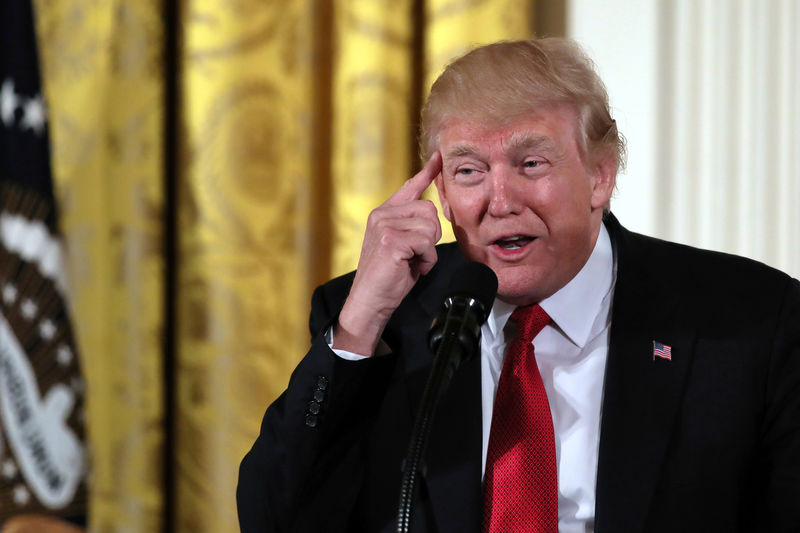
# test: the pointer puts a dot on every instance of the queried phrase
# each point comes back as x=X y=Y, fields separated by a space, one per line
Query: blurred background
x=215 y=160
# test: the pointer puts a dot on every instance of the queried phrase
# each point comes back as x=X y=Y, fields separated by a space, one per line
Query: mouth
x=514 y=242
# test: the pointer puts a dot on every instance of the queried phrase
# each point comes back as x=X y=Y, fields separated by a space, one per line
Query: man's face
x=521 y=200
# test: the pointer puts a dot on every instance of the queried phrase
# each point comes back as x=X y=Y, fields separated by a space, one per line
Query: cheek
x=467 y=208
x=571 y=200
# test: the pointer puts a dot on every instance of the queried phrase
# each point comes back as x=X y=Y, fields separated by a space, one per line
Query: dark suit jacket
x=708 y=441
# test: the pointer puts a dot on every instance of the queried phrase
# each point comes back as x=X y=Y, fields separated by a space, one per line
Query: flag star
x=77 y=384
x=8 y=102
x=21 y=495
x=47 y=329
x=29 y=308
x=9 y=469
x=63 y=355
x=34 y=114
x=9 y=294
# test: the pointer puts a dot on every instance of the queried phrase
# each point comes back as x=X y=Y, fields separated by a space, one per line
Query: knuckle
x=431 y=226
x=375 y=216
x=430 y=208
x=388 y=237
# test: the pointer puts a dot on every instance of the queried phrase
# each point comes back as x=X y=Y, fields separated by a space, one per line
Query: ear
x=605 y=179
x=440 y=188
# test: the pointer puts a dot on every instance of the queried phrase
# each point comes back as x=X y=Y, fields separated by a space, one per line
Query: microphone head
x=476 y=281
x=466 y=306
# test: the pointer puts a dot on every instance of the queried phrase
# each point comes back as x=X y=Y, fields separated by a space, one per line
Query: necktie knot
x=530 y=320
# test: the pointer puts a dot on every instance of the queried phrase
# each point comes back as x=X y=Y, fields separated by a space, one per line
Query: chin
x=517 y=294
x=524 y=288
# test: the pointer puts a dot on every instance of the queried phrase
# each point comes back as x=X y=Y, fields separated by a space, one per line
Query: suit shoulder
x=709 y=274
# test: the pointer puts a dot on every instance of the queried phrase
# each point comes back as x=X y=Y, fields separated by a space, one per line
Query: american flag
x=43 y=457
x=663 y=351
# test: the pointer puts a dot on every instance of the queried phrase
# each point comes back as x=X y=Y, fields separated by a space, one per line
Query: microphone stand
x=457 y=339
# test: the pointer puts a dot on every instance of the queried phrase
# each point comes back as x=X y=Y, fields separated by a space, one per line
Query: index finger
x=415 y=186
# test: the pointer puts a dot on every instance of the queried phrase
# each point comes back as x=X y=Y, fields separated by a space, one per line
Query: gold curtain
x=295 y=120
x=102 y=74
x=244 y=236
x=372 y=96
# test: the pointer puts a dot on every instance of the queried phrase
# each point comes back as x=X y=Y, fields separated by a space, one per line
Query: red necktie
x=520 y=483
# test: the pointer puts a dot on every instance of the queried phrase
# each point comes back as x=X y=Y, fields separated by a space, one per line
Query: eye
x=534 y=167
x=468 y=175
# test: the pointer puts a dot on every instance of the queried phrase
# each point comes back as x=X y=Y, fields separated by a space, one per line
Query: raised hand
x=399 y=246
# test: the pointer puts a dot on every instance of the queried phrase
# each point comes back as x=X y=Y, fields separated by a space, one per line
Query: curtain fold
x=455 y=26
x=295 y=119
x=243 y=237
x=371 y=146
x=103 y=80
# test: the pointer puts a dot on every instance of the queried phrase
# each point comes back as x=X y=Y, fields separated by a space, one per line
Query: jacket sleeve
x=779 y=456
x=304 y=471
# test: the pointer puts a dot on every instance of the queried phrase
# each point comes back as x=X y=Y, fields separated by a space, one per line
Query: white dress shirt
x=571 y=354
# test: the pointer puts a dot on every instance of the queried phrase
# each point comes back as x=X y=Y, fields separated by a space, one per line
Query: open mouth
x=513 y=243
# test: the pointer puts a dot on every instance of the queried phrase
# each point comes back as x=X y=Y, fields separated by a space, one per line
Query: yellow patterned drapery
x=295 y=118
x=102 y=75
x=371 y=112
x=244 y=237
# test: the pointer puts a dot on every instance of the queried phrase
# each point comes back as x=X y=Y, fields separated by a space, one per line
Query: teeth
x=513 y=243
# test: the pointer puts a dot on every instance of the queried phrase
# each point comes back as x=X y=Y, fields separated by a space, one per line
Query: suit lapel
x=452 y=475
x=642 y=392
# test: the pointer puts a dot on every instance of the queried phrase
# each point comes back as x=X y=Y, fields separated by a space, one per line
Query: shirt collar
x=499 y=315
x=574 y=307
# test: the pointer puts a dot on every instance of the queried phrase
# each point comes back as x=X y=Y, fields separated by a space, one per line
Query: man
x=669 y=376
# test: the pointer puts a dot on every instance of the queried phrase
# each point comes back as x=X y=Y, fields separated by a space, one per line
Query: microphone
x=466 y=307
x=454 y=336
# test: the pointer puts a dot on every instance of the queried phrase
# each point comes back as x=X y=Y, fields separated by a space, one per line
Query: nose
x=503 y=200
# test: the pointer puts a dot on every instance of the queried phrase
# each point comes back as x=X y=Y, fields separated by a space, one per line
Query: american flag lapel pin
x=661 y=350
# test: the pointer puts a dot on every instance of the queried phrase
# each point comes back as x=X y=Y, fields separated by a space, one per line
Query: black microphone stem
x=454 y=336
x=439 y=378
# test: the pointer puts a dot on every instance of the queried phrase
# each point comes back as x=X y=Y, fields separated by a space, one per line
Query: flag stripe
x=662 y=350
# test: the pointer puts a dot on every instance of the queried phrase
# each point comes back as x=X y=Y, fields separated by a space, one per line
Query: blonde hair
x=504 y=81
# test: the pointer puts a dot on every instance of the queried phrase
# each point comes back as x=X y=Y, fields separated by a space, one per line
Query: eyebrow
x=461 y=150
x=521 y=141
x=530 y=140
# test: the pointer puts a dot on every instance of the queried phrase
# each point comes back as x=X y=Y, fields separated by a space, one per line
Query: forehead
x=553 y=127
